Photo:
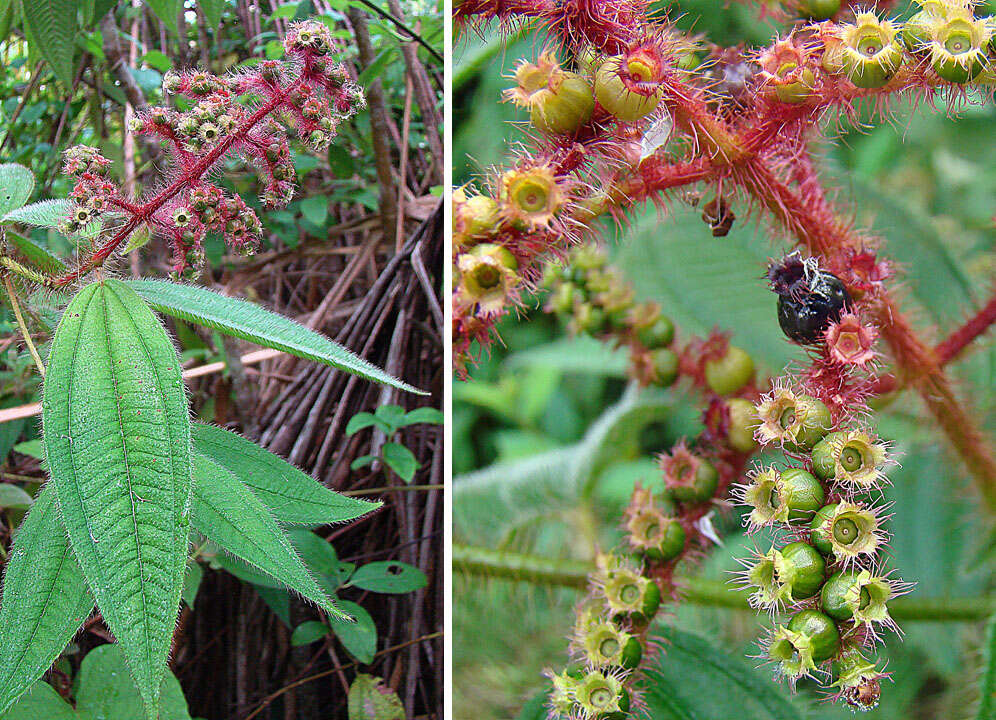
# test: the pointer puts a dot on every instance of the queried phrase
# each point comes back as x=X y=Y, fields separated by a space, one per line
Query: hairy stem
x=961 y=338
x=697 y=591
x=23 y=326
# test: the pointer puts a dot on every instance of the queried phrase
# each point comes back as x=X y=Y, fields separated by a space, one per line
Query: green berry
x=658 y=335
x=815 y=423
x=743 y=421
x=697 y=488
x=817 y=535
x=834 y=595
x=665 y=363
x=801 y=567
x=821 y=631
x=801 y=492
x=632 y=653
x=819 y=9
x=727 y=374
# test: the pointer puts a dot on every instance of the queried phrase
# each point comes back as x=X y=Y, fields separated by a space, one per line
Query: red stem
x=957 y=341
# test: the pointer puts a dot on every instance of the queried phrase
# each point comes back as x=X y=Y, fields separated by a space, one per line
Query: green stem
x=697 y=591
x=12 y=295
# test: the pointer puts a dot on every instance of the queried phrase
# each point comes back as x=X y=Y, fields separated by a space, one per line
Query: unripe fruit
x=817 y=534
x=798 y=422
x=692 y=482
x=851 y=457
x=819 y=9
x=665 y=364
x=797 y=91
x=834 y=596
x=728 y=374
x=821 y=631
x=743 y=421
x=616 y=97
x=801 y=567
x=958 y=50
x=559 y=102
x=801 y=492
x=871 y=53
x=658 y=335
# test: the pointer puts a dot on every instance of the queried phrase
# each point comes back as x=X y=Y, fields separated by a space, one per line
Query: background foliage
x=530 y=428
x=338 y=259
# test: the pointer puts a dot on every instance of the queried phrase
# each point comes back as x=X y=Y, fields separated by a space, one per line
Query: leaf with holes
x=291 y=495
x=16 y=184
x=45 y=213
x=45 y=599
x=51 y=24
x=247 y=321
x=388 y=577
x=117 y=443
x=227 y=513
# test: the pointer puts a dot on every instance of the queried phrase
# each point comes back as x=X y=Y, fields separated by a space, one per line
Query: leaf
x=427 y=415
x=212 y=11
x=309 y=632
x=35 y=255
x=13 y=496
x=41 y=701
x=362 y=420
x=315 y=209
x=277 y=600
x=253 y=323
x=376 y=68
x=16 y=184
x=157 y=59
x=359 y=637
x=117 y=442
x=31 y=448
x=290 y=494
x=401 y=460
x=692 y=679
x=52 y=27
x=192 y=582
x=227 y=513
x=168 y=11
x=392 y=415
x=370 y=699
x=45 y=213
x=140 y=238
x=45 y=599
x=106 y=689
x=987 y=683
x=388 y=577
x=362 y=461
x=321 y=559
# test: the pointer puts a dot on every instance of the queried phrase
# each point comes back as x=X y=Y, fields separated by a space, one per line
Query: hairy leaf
x=35 y=255
x=117 y=442
x=16 y=184
x=693 y=679
x=247 y=321
x=45 y=599
x=45 y=213
x=51 y=25
x=41 y=701
x=229 y=514
x=168 y=11
x=291 y=495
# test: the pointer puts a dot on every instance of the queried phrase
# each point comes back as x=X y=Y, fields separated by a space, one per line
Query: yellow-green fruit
x=743 y=421
x=617 y=99
x=564 y=110
x=665 y=363
x=958 y=52
x=727 y=374
x=798 y=91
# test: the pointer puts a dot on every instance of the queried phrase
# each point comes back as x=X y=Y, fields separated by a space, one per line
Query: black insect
x=809 y=299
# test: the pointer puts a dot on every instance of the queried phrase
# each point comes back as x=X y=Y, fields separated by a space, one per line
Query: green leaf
x=253 y=323
x=51 y=25
x=362 y=461
x=212 y=11
x=987 y=683
x=46 y=213
x=426 y=415
x=321 y=559
x=159 y=60
x=277 y=600
x=139 y=238
x=309 y=632
x=35 y=255
x=227 y=513
x=16 y=184
x=14 y=497
x=168 y=11
x=315 y=209
x=106 y=689
x=401 y=460
x=359 y=637
x=41 y=701
x=376 y=68
x=192 y=582
x=117 y=442
x=370 y=699
x=392 y=415
x=692 y=679
x=362 y=420
x=45 y=599
x=291 y=495
x=31 y=448
x=388 y=577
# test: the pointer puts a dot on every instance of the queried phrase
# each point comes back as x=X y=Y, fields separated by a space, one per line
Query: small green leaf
x=987 y=681
x=359 y=637
x=291 y=495
x=45 y=600
x=106 y=689
x=139 y=238
x=388 y=577
x=35 y=255
x=401 y=460
x=376 y=68
x=362 y=461
x=392 y=415
x=192 y=582
x=14 y=497
x=362 y=420
x=212 y=11
x=370 y=699
x=309 y=632
x=321 y=559
x=253 y=323
x=51 y=27
x=117 y=443
x=168 y=11
x=159 y=60
x=16 y=184
x=31 y=448
x=227 y=513
x=315 y=209
x=46 y=213
x=427 y=415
